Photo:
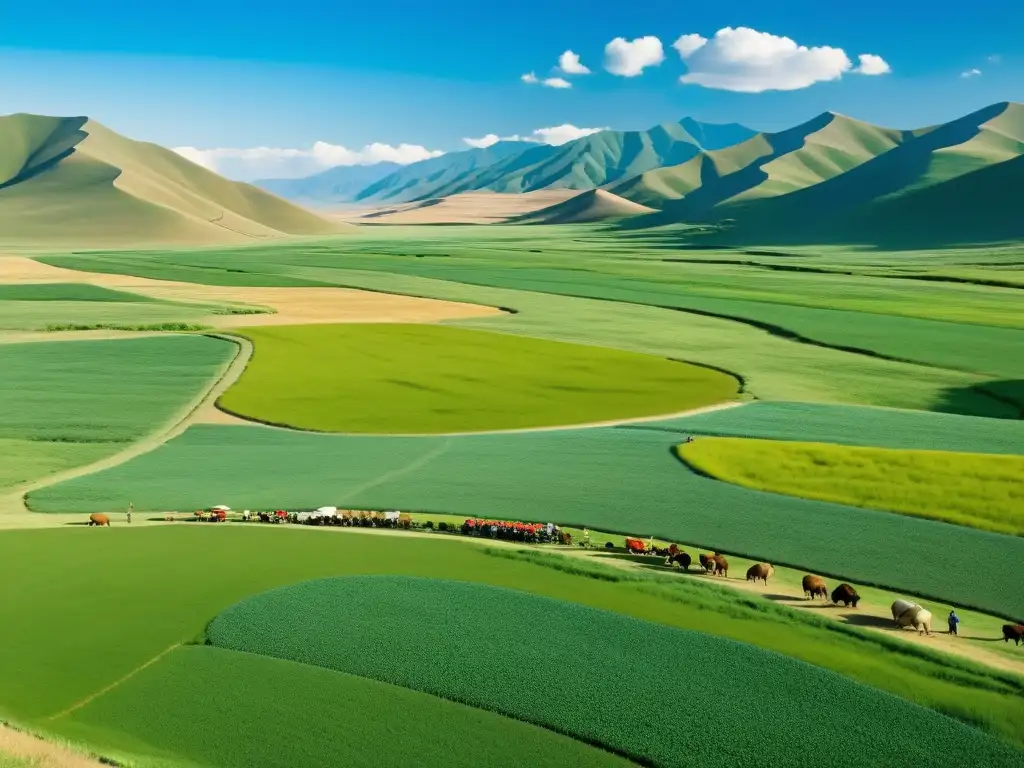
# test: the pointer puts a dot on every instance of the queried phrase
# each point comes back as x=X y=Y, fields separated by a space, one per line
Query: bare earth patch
x=292 y=306
x=465 y=208
x=43 y=754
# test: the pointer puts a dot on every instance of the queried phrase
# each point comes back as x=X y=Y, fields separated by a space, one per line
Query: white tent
x=326 y=511
x=220 y=508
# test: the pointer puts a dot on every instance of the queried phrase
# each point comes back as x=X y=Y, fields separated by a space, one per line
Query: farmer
x=953 y=620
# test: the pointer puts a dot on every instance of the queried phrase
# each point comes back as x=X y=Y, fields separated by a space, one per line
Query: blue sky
x=235 y=76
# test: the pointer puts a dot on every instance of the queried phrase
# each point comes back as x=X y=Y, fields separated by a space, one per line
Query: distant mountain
x=592 y=205
x=765 y=165
x=594 y=160
x=71 y=180
x=952 y=183
x=417 y=180
x=335 y=185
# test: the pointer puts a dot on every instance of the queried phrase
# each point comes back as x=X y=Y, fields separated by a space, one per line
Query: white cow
x=908 y=614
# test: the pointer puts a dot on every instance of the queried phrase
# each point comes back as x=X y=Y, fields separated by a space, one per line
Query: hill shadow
x=1004 y=399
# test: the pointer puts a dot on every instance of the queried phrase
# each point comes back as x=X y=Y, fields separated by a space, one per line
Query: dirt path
x=42 y=753
x=292 y=306
x=13 y=500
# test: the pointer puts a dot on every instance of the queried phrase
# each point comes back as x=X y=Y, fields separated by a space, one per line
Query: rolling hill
x=951 y=183
x=71 y=180
x=335 y=185
x=592 y=205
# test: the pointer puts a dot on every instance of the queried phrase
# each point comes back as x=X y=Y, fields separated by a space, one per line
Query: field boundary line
x=181 y=420
x=123 y=679
x=391 y=474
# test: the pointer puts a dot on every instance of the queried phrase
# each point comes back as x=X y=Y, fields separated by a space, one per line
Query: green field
x=976 y=490
x=423 y=378
x=505 y=647
x=240 y=710
x=618 y=479
x=72 y=402
x=124 y=569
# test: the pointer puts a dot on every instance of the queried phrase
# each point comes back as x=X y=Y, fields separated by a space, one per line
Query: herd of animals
x=904 y=613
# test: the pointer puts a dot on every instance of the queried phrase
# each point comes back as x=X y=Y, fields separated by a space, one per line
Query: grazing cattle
x=760 y=571
x=707 y=562
x=681 y=559
x=721 y=566
x=1013 y=632
x=846 y=595
x=814 y=586
x=908 y=614
x=98 y=518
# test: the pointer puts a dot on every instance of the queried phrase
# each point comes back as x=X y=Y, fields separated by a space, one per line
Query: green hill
x=766 y=165
x=71 y=180
x=592 y=205
x=335 y=185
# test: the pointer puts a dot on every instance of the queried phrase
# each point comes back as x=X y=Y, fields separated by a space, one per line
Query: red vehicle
x=636 y=546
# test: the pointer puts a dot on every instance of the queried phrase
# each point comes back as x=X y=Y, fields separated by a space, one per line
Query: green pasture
x=972 y=489
x=538 y=271
x=507 y=646
x=240 y=710
x=618 y=479
x=70 y=402
x=137 y=604
x=395 y=378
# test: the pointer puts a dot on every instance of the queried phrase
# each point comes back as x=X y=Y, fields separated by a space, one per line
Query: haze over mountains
x=71 y=180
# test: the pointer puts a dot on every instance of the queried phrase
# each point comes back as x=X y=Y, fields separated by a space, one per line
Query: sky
x=257 y=90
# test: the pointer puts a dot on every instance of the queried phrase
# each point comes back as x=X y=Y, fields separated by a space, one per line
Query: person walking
x=953 y=621
x=130 y=508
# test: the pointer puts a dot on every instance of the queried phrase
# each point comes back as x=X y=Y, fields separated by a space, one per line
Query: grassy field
x=117 y=624
x=422 y=378
x=976 y=490
x=70 y=402
x=618 y=479
x=240 y=710
x=505 y=649
x=833 y=297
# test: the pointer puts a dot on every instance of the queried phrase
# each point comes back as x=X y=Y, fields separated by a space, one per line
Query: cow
x=681 y=559
x=846 y=595
x=721 y=566
x=814 y=586
x=98 y=518
x=908 y=614
x=707 y=562
x=1013 y=632
x=760 y=571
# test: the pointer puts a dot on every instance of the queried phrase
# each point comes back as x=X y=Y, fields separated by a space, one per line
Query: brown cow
x=681 y=559
x=98 y=518
x=760 y=571
x=814 y=586
x=1013 y=632
x=721 y=566
x=846 y=595
x=707 y=562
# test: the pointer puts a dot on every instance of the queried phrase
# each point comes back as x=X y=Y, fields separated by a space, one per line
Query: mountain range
x=71 y=180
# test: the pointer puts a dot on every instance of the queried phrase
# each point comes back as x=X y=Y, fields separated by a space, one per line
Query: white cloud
x=549 y=82
x=629 y=58
x=530 y=78
x=872 y=65
x=570 y=63
x=745 y=60
x=970 y=73
x=274 y=162
x=555 y=135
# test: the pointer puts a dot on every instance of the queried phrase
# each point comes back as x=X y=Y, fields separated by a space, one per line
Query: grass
x=976 y=490
x=241 y=710
x=72 y=402
x=135 y=608
x=498 y=266
x=71 y=292
x=423 y=378
x=616 y=479
x=507 y=647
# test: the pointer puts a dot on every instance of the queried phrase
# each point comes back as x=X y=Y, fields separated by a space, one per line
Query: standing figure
x=130 y=508
x=953 y=620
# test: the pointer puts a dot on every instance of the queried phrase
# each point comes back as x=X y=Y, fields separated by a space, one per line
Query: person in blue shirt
x=953 y=620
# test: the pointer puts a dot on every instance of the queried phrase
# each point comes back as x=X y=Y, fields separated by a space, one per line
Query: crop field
x=422 y=378
x=972 y=489
x=617 y=479
x=36 y=307
x=217 y=707
x=40 y=679
x=71 y=402
x=502 y=645
x=868 y=309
